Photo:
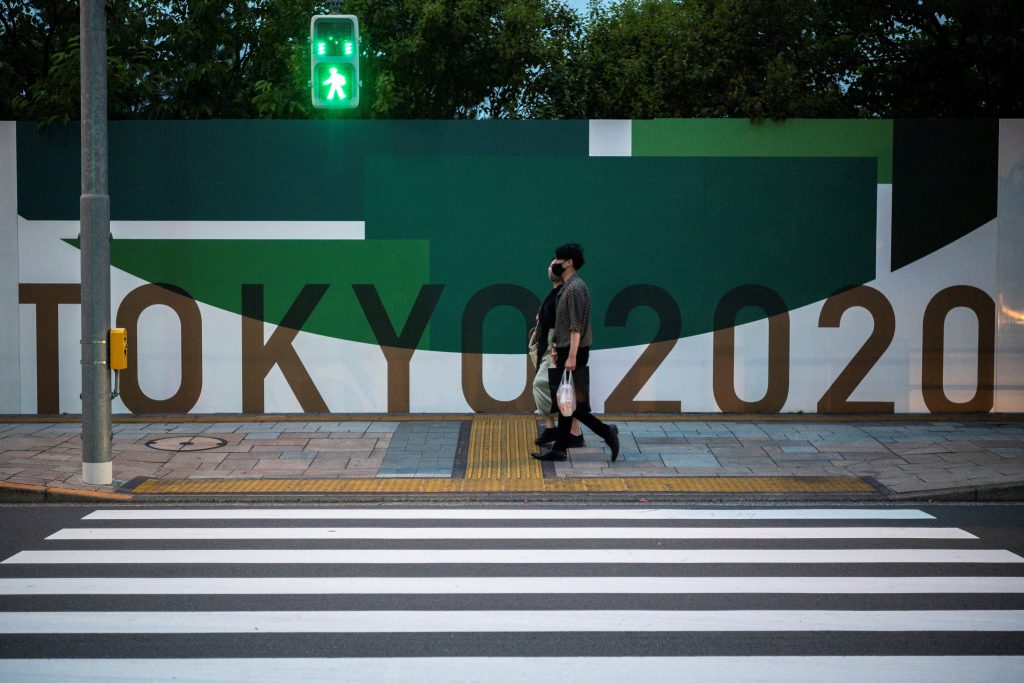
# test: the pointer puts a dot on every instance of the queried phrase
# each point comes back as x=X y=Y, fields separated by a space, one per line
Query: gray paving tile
x=763 y=461
x=689 y=460
x=28 y=428
x=72 y=428
x=130 y=436
x=799 y=457
x=675 y=448
x=641 y=457
x=738 y=451
x=659 y=439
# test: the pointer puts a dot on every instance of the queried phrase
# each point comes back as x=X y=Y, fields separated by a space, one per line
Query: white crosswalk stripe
x=419 y=533
x=507 y=585
x=677 y=594
x=492 y=513
x=502 y=621
x=579 y=556
x=508 y=669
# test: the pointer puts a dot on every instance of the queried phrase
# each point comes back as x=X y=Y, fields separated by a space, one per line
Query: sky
x=579 y=5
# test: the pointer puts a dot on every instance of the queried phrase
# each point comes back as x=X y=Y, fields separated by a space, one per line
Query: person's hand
x=554 y=356
x=570 y=363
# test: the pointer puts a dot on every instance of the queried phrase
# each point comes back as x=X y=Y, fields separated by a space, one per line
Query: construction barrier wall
x=396 y=266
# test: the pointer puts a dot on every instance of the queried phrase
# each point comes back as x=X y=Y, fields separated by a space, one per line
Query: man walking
x=541 y=386
x=572 y=342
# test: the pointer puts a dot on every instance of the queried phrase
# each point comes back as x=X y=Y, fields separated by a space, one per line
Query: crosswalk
x=504 y=594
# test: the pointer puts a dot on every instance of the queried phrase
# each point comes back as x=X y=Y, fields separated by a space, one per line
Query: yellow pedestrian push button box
x=119 y=349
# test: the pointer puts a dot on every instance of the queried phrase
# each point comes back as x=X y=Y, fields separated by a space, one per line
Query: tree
x=935 y=58
x=165 y=58
x=459 y=58
x=191 y=59
x=745 y=58
x=798 y=58
x=35 y=38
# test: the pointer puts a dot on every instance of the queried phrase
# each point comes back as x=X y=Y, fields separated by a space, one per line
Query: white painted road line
x=508 y=669
x=524 y=556
x=476 y=533
x=496 y=585
x=510 y=621
x=504 y=514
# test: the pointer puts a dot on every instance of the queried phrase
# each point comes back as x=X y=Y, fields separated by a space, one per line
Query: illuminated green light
x=321 y=48
x=348 y=47
x=335 y=83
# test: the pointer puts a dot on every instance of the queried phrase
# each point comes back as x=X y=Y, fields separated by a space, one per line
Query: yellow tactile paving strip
x=499 y=449
x=562 y=485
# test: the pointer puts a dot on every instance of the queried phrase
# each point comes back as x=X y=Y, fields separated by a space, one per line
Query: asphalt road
x=494 y=593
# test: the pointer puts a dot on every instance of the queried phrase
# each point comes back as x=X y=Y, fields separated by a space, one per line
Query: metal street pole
x=94 y=209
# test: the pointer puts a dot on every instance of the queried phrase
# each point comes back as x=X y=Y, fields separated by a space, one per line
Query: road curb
x=32 y=493
x=999 y=493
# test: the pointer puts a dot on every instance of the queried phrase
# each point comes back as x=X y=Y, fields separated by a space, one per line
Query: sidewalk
x=786 y=457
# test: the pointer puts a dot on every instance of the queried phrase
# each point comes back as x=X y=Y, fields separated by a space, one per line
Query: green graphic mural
x=694 y=227
x=700 y=208
x=870 y=244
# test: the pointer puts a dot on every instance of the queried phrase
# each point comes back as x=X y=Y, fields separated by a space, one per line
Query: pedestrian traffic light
x=334 y=61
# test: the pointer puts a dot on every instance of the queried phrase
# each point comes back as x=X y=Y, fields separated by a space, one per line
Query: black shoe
x=546 y=437
x=576 y=442
x=613 y=441
x=551 y=454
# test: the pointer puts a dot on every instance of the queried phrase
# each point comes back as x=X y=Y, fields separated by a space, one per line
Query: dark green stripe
x=255 y=170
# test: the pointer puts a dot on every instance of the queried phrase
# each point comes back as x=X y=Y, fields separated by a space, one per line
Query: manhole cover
x=180 y=444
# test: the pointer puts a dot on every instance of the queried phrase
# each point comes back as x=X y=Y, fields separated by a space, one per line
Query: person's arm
x=574 y=346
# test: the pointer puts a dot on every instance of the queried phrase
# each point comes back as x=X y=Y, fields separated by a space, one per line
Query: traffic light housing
x=334 y=61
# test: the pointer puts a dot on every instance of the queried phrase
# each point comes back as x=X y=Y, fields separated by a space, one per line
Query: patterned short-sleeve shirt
x=573 y=313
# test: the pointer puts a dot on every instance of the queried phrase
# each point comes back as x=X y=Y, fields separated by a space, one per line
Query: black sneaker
x=613 y=441
x=546 y=437
x=576 y=442
x=551 y=454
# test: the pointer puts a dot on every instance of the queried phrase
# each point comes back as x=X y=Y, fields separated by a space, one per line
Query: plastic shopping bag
x=566 y=395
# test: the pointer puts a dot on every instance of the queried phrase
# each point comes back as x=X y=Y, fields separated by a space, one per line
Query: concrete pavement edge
x=30 y=493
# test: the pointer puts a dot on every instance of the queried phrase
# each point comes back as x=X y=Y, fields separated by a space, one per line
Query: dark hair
x=570 y=251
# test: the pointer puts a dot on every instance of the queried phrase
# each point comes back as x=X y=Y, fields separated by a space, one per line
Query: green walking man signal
x=334 y=61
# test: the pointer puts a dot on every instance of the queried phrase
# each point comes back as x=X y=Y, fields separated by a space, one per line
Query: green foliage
x=935 y=58
x=194 y=59
x=461 y=58
x=712 y=58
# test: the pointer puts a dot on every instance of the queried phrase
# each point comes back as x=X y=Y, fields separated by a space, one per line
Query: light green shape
x=791 y=138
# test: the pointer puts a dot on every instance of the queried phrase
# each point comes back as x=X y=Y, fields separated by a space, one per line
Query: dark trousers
x=582 y=413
